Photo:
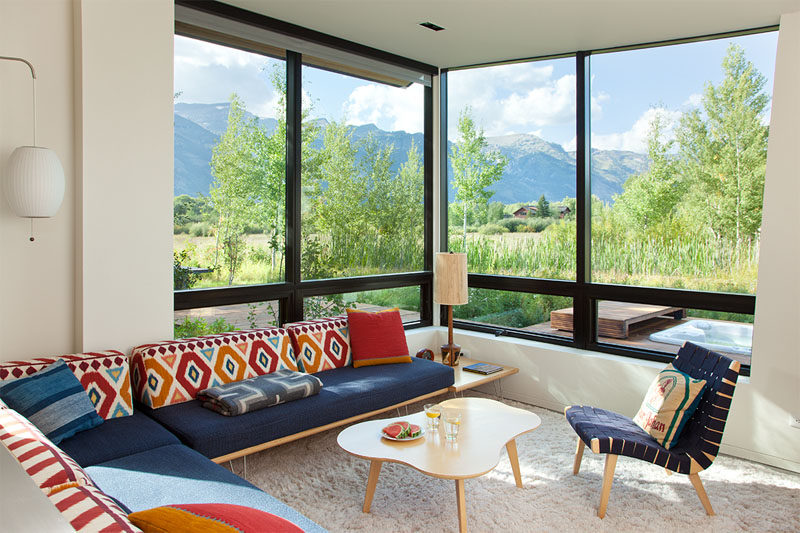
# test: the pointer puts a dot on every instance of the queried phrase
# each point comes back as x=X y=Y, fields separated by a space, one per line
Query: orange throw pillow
x=377 y=338
x=210 y=518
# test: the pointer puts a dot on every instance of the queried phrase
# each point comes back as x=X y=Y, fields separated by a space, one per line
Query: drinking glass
x=452 y=422
x=433 y=412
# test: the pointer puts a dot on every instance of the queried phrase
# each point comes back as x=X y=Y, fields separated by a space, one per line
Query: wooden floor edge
x=296 y=436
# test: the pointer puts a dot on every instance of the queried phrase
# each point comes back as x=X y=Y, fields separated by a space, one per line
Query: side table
x=467 y=380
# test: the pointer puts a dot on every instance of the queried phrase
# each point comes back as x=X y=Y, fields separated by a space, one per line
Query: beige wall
x=99 y=274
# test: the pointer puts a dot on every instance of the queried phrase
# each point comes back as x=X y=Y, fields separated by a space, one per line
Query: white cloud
x=694 y=100
x=635 y=139
x=389 y=108
x=209 y=73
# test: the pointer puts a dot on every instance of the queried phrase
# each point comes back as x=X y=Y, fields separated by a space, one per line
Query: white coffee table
x=486 y=427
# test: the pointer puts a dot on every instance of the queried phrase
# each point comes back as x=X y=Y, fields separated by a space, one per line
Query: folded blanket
x=259 y=392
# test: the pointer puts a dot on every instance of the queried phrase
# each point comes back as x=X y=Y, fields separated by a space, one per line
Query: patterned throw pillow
x=377 y=338
x=259 y=392
x=53 y=400
x=173 y=372
x=210 y=518
x=321 y=344
x=104 y=375
x=88 y=510
x=44 y=462
x=670 y=402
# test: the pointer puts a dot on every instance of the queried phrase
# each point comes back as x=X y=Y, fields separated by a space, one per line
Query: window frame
x=584 y=292
x=291 y=292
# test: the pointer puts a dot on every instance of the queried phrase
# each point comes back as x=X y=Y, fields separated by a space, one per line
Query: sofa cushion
x=87 y=509
x=233 y=399
x=211 y=518
x=44 y=462
x=377 y=338
x=53 y=400
x=321 y=344
x=175 y=474
x=104 y=375
x=346 y=392
x=172 y=372
x=117 y=437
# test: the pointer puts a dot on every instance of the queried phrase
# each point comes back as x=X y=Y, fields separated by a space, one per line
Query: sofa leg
x=608 y=477
x=576 y=466
x=244 y=464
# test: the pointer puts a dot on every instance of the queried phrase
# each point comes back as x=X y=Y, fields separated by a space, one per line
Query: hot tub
x=717 y=336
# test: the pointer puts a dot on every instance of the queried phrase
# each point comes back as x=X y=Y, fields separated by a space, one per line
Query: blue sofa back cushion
x=53 y=400
x=175 y=474
x=240 y=397
x=117 y=437
x=346 y=392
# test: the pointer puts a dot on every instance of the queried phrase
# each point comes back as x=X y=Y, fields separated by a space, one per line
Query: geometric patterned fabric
x=321 y=344
x=174 y=372
x=608 y=432
x=104 y=375
x=45 y=463
x=259 y=392
x=87 y=509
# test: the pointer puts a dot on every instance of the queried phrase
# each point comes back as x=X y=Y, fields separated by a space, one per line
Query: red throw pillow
x=377 y=338
x=210 y=518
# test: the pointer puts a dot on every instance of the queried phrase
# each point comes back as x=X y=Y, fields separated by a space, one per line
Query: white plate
x=407 y=439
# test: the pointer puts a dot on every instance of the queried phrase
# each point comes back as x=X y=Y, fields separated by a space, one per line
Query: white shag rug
x=323 y=482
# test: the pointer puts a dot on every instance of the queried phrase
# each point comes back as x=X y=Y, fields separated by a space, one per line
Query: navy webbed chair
x=698 y=444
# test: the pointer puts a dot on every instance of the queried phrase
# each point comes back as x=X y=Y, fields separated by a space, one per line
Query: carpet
x=320 y=480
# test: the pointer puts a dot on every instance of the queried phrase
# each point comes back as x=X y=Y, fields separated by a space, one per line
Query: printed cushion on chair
x=173 y=372
x=321 y=344
x=670 y=401
x=256 y=393
x=104 y=375
x=53 y=400
x=87 y=509
x=377 y=338
x=44 y=462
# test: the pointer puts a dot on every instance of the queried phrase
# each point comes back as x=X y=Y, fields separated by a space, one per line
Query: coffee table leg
x=511 y=448
x=372 y=481
x=462 y=506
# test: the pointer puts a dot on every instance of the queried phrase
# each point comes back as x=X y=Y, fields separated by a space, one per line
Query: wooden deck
x=640 y=337
x=617 y=319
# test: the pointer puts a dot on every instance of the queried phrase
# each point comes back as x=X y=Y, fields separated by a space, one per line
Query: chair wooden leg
x=701 y=493
x=608 y=477
x=576 y=466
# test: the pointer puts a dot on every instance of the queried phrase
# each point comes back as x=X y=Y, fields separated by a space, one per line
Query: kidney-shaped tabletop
x=486 y=427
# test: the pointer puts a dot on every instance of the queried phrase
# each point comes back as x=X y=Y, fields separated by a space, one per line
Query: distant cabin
x=525 y=211
x=563 y=211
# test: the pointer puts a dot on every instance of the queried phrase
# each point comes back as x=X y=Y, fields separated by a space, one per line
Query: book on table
x=483 y=368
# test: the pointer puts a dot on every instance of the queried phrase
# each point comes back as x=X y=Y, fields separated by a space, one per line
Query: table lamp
x=450 y=288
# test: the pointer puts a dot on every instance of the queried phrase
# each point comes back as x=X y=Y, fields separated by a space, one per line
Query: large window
x=302 y=175
x=617 y=200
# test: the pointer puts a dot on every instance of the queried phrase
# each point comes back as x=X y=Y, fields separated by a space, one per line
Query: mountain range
x=535 y=166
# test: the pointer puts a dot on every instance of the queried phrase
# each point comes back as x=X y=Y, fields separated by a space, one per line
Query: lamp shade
x=34 y=182
x=450 y=279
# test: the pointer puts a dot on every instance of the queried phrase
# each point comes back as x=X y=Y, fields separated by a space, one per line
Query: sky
x=538 y=98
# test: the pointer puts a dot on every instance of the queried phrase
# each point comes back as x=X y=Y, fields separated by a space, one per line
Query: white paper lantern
x=34 y=182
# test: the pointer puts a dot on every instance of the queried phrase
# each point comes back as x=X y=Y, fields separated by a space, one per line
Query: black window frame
x=291 y=292
x=585 y=293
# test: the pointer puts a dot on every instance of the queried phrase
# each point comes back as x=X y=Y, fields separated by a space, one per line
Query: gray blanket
x=259 y=392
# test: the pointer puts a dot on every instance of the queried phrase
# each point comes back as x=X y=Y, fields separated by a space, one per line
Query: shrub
x=199 y=229
x=512 y=224
x=492 y=229
x=194 y=327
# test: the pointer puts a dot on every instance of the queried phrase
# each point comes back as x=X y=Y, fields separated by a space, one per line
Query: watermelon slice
x=394 y=431
x=414 y=431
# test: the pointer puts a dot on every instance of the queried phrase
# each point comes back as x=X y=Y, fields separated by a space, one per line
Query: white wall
x=99 y=274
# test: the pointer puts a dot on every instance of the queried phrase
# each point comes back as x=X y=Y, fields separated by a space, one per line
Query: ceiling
x=480 y=31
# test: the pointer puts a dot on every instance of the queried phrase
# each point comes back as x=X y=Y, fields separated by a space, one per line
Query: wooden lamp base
x=450 y=354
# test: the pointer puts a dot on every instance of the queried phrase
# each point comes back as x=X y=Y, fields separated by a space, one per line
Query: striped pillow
x=44 y=462
x=87 y=509
x=53 y=400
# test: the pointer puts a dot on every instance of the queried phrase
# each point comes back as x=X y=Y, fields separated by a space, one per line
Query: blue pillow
x=53 y=400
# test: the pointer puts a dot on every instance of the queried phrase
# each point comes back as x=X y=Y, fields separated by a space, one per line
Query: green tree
x=474 y=167
x=651 y=198
x=543 y=207
x=724 y=150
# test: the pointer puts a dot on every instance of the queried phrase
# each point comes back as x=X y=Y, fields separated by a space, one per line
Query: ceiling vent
x=431 y=26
